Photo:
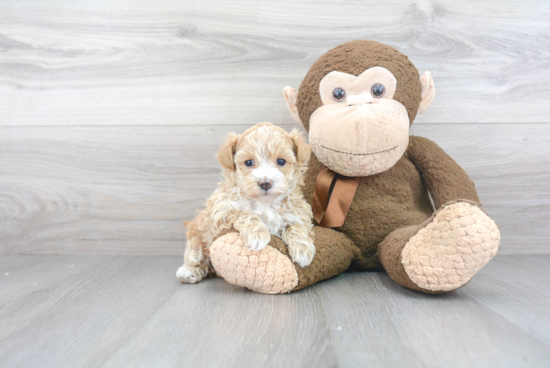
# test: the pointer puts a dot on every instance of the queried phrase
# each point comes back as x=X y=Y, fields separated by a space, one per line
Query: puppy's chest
x=273 y=219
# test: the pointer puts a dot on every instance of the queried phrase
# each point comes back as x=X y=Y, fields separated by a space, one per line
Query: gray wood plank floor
x=130 y=311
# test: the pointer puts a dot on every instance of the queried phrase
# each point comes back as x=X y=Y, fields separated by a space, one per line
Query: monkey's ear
x=226 y=153
x=428 y=91
x=301 y=148
x=291 y=96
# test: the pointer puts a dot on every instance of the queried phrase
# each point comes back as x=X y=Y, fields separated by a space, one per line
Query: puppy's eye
x=338 y=94
x=281 y=162
x=378 y=90
x=249 y=163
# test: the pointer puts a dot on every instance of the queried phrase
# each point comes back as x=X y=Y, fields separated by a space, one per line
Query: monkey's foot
x=265 y=271
x=446 y=253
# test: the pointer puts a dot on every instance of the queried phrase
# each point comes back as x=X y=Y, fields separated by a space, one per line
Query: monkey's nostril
x=361 y=103
x=265 y=184
x=362 y=99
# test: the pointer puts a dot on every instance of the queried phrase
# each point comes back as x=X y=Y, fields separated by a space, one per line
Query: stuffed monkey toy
x=369 y=184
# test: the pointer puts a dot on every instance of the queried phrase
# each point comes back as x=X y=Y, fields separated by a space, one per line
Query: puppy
x=260 y=196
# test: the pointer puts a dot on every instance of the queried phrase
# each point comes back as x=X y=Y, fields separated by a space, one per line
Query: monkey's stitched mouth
x=360 y=154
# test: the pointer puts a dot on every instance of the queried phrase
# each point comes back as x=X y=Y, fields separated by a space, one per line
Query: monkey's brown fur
x=398 y=197
x=392 y=207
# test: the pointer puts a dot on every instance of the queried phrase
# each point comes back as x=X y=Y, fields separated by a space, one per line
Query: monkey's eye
x=378 y=90
x=281 y=161
x=338 y=94
x=249 y=163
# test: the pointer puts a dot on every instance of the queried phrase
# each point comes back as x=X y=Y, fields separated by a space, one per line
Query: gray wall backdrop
x=111 y=112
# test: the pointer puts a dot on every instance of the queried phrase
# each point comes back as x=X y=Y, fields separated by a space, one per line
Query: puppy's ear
x=226 y=153
x=302 y=150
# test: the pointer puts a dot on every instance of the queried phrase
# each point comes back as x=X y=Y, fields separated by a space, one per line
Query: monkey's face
x=357 y=103
x=360 y=129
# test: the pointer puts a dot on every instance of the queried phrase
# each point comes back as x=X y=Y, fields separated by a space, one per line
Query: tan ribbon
x=319 y=203
x=331 y=211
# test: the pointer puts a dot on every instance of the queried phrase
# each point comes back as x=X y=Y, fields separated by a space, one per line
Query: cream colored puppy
x=260 y=196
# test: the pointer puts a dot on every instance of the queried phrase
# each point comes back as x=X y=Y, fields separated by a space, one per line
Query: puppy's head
x=265 y=162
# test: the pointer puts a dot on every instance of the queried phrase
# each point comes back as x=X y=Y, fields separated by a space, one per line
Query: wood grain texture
x=517 y=293
x=128 y=311
x=24 y=275
x=215 y=62
x=128 y=189
x=115 y=289
x=383 y=324
x=111 y=112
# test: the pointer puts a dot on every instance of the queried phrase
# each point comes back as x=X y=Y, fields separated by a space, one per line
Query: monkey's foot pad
x=445 y=254
x=266 y=271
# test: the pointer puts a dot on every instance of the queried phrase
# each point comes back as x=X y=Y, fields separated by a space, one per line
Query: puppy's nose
x=265 y=184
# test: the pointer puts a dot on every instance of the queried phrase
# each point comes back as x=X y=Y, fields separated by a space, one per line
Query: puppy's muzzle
x=265 y=184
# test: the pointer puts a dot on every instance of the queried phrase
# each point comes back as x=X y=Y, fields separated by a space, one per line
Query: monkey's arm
x=444 y=178
x=271 y=270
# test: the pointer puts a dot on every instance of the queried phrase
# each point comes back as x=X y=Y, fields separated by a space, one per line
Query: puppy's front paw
x=190 y=275
x=256 y=239
x=302 y=253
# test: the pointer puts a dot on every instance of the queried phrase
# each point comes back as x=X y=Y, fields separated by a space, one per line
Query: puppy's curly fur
x=260 y=196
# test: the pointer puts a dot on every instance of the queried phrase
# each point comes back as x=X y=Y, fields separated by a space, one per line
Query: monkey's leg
x=444 y=252
x=271 y=271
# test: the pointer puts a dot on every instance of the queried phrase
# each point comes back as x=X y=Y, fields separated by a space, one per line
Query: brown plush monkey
x=369 y=184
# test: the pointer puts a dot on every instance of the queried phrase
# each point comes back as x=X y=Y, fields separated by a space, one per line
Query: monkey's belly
x=383 y=203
